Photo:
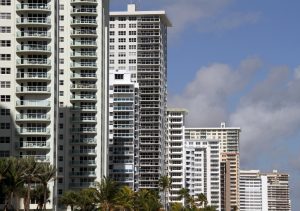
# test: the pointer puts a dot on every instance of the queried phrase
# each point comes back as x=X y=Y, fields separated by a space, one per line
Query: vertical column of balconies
x=33 y=77
x=83 y=93
x=122 y=149
x=151 y=79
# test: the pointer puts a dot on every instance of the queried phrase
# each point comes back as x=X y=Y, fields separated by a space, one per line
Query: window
x=61 y=7
x=132 y=47
x=5 y=29
x=122 y=39
x=5 y=112
x=132 y=25
x=4 y=154
x=61 y=126
x=60 y=169
x=61 y=39
x=5 y=126
x=61 y=93
x=5 y=43
x=111 y=33
x=4 y=140
x=122 y=18
x=122 y=47
x=60 y=158
x=111 y=61
x=122 y=26
x=61 y=17
x=119 y=76
x=4 y=84
x=4 y=98
x=61 y=28
x=112 y=19
x=61 y=115
x=61 y=50
x=122 y=54
x=122 y=33
x=111 y=47
x=5 y=57
x=61 y=61
x=132 y=32
x=111 y=26
x=5 y=2
x=61 y=71
x=132 y=18
x=132 y=61
x=61 y=82
x=111 y=54
x=60 y=191
x=61 y=136
x=5 y=15
x=60 y=180
x=61 y=147
x=132 y=39
x=122 y=61
x=111 y=40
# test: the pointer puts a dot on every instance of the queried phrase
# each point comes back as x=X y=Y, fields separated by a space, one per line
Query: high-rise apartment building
x=229 y=152
x=54 y=79
x=264 y=191
x=123 y=127
x=138 y=43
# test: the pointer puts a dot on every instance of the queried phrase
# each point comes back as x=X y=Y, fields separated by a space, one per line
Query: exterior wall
x=123 y=127
x=138 y=43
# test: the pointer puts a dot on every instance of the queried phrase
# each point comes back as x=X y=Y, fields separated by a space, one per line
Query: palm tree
x=46 y=173
x=69 y=198
x=176 y=207
x=38 y=195
x=124 y=198
x=202 y=199
x=106 y=193
x=185 y=195
x=86 y=199
x=4 y=166
x=165 y=183
x=146 y=200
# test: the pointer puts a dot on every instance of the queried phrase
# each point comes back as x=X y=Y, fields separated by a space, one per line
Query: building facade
x=138 y=43
x=54 y=87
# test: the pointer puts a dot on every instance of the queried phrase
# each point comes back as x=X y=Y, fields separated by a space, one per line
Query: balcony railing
x=83 y=162
x=82 y=184
x=84 y=21
x=83 y=64
x=84 y=1
x=83 y=43
x=34 y=130
x=33 y=75
x=82 y=173
x=88 y=108
x=84 y=141
x=33 y=20
x=34 y=33
x=84 y=129
x=23 y=89
x=31 y=47
x=83 y=151
x=33 y=6
x=120 y=108
x=83 y=97
x=84 y=75
x=33 y=116
x=33 y=144
x=83 y=86
x=84 y=118
x=33 y=61
x=37 y=103
x=123 y=99
x=39 y=158
x=84 y=32
x=85 y=10
x=84 y=53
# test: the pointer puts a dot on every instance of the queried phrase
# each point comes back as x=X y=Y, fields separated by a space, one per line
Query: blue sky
x=239 y=62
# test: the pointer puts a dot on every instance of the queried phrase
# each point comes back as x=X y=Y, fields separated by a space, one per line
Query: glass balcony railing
x=33 y=116
x=88 y=108
x=85 y=10
x=83 y=97
x=123 y=99
x=84 y=21
x=33 y=130
x=33 y=61
x=84 y=141
x=84 y=129
x=33 y=20
x=34 y=33
x=84 y=75
x=39 y=158
x=84 y=1
x=33 y=75
x=31 y=47
x=84 y=53
x=84 y=118
x=83 y=43
x=82 y=173
x=24 y=89
x=37 y=103
x=83 y=151
x=33 y=6
x=84 y=32
x=83 y=64
x=126 y=108
x=83 y=162
x=82 y=184
x=33 y=144
x=83 y=86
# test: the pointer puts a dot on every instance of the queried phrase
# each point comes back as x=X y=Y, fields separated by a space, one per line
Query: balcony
x=33 y=103
x=123 y=108
x=84 y=108
x=33 y=76
x=123 y=99
x=30 y=48
x=35 y=62
x=83 y=162
x=33 y=144
x=84 y=76
x=83 y=173
x=84 y=97
x=84 y=1
x=85 y=22
x=37 y=7
x=39 y=158
x=33 y=34
x=84 y=11
x=83 y=43
x=84 y=32
x=83 y=151
x=33 y=90
x=33 y=117
x=84 y=119
x=82 y=184
x=84 y=86
x=83 y=130
x=84 y=141
x=33 y=131
x=34 y=21
x=83 y=54
x=86 y=65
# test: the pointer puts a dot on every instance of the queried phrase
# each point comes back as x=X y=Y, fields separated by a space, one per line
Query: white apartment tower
x=53 y=86
x=138 y=43
x=123 y=127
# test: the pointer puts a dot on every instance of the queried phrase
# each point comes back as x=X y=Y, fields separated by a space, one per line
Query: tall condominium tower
x=229 y=138
x=264 y=191
x=138 y=43
x=123 y=126
x=54 y=78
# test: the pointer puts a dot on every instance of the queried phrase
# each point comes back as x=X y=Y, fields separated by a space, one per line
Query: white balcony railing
x=33 y=130
x=33 y=20
x=33 y=89
x=33 y=144
x=33 y=116
x=33 y=75
x=38 y=103
x=33 y=61
x=32 y=47
x=34 y=33
x=37 y=6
